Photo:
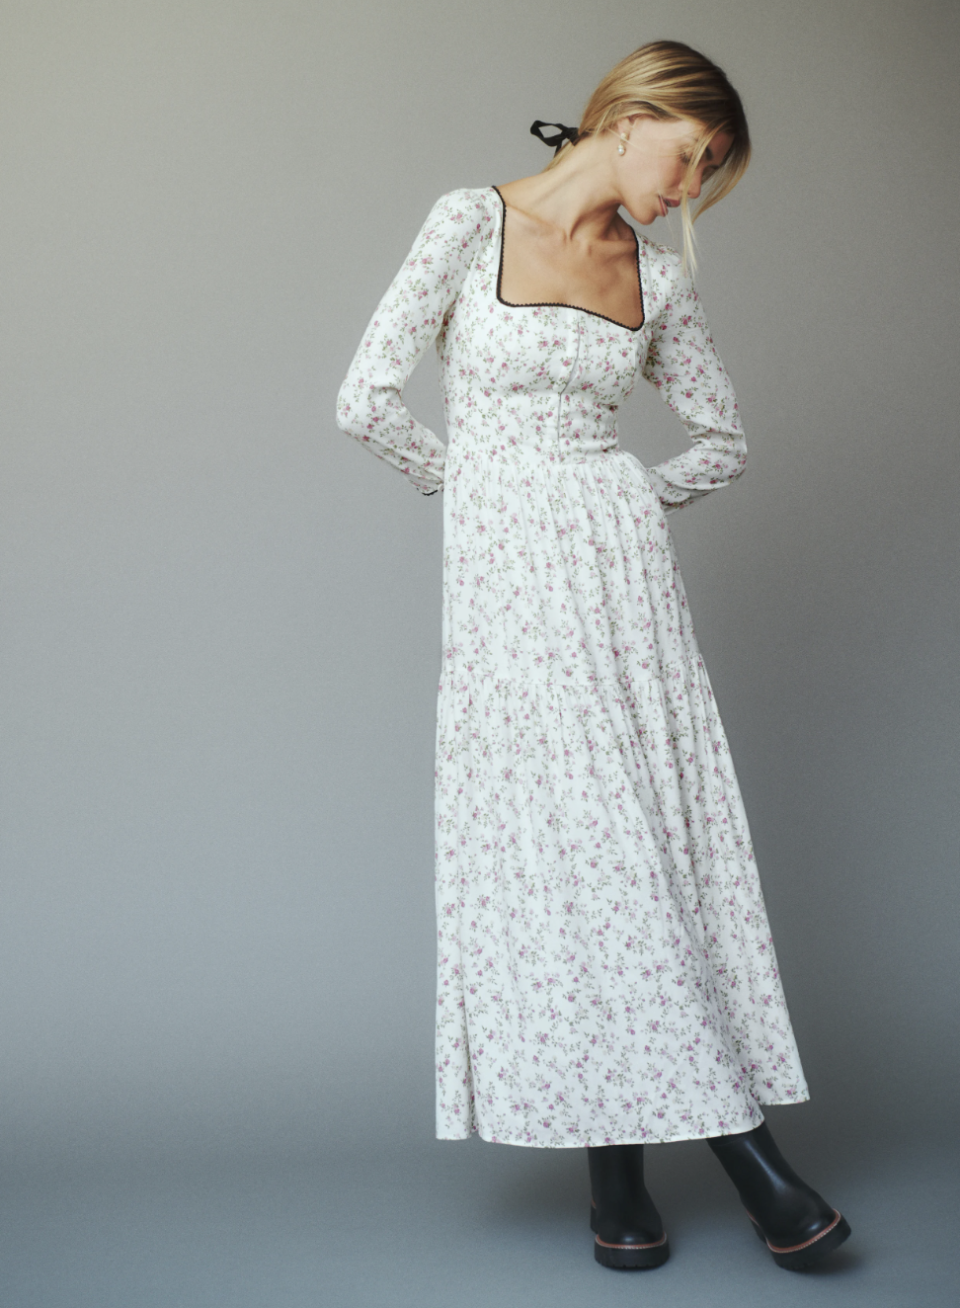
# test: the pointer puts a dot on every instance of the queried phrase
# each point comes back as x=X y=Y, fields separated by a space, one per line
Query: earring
x=621 y=148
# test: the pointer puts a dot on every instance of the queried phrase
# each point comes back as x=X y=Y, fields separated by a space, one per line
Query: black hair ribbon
x=564 y=134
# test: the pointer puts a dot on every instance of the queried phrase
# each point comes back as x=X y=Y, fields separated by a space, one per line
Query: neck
x=579 y=197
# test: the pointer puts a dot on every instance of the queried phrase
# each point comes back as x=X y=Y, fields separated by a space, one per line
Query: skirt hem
x=588 y=1144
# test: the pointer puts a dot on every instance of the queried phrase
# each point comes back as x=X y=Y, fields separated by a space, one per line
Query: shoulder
x=667 y=283
x=466 y=215
x=660 y=257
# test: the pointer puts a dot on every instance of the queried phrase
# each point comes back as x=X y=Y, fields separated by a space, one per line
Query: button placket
x=563 y=396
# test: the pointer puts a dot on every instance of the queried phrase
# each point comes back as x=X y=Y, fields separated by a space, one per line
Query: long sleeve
x=408 y=319
x=683 y=364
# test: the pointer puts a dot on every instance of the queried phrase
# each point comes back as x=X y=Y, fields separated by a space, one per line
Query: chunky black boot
x=630 y=1234
x=797 y=1226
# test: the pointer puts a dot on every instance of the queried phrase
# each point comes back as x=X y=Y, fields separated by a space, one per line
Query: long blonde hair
x=666 y=79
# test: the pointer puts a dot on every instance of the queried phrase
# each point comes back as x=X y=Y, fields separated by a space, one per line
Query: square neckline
x=557 y=304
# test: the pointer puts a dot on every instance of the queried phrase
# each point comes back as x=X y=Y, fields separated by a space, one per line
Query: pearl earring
x=621 y=148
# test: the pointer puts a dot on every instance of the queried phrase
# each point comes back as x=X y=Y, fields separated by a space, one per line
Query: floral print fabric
x=606 y=972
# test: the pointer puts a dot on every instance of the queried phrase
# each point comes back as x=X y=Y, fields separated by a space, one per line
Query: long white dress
x=606 y=971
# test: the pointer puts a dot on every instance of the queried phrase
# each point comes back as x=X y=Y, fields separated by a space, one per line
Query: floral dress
x=606 y=973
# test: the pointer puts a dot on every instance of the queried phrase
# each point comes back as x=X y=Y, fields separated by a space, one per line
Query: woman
x=606 y=972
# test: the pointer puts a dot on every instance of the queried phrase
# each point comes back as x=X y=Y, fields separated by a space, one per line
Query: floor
x=463 y=1225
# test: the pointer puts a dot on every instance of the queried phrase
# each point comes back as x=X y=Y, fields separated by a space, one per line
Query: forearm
x=375 y=415
x=716 y=459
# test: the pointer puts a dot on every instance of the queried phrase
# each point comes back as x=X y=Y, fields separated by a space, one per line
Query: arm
x=408 y=319
x=683 y=364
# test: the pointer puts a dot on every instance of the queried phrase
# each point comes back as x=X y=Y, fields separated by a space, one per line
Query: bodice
x=545 y=380
x=547 y=377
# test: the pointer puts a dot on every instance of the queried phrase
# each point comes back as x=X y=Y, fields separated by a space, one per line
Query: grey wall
x=221 y=617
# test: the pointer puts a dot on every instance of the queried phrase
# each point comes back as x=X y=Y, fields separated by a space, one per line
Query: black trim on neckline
x=556 y=304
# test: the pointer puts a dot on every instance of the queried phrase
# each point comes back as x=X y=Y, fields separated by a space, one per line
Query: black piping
x=556 y=304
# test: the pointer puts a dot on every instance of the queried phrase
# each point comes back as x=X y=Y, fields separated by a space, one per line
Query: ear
x=628 y=124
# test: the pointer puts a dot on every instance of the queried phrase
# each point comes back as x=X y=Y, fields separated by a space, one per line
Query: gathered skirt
x=606 y=972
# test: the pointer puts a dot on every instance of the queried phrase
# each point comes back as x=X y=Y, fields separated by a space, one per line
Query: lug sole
x=631 y=1258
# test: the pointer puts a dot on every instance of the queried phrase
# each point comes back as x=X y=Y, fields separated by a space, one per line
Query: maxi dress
x=606 y=973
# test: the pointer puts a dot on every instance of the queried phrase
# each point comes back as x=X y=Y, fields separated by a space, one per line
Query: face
x=655 y=162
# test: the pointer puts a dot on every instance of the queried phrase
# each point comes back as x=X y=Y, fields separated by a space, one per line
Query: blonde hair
x=669 y=80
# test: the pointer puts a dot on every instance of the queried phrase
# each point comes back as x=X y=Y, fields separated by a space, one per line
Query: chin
x=642 y=217
x=646 y=215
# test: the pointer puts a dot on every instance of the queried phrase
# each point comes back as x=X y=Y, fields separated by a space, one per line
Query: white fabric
x=606 y=972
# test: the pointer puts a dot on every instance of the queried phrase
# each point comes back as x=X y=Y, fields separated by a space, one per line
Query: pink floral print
x=605 y=967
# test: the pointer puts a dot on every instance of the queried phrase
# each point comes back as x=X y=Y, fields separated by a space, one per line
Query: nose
x=694 y=192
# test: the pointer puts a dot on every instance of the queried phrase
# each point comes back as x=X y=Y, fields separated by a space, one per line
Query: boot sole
x=800 y=1257
x=631 y=1257
x=627 y=1257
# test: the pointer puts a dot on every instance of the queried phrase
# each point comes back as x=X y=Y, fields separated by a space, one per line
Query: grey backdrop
x=221 y=617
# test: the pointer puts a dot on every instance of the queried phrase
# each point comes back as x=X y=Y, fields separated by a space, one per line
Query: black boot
x=798 y=1227
x=630 y=1234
